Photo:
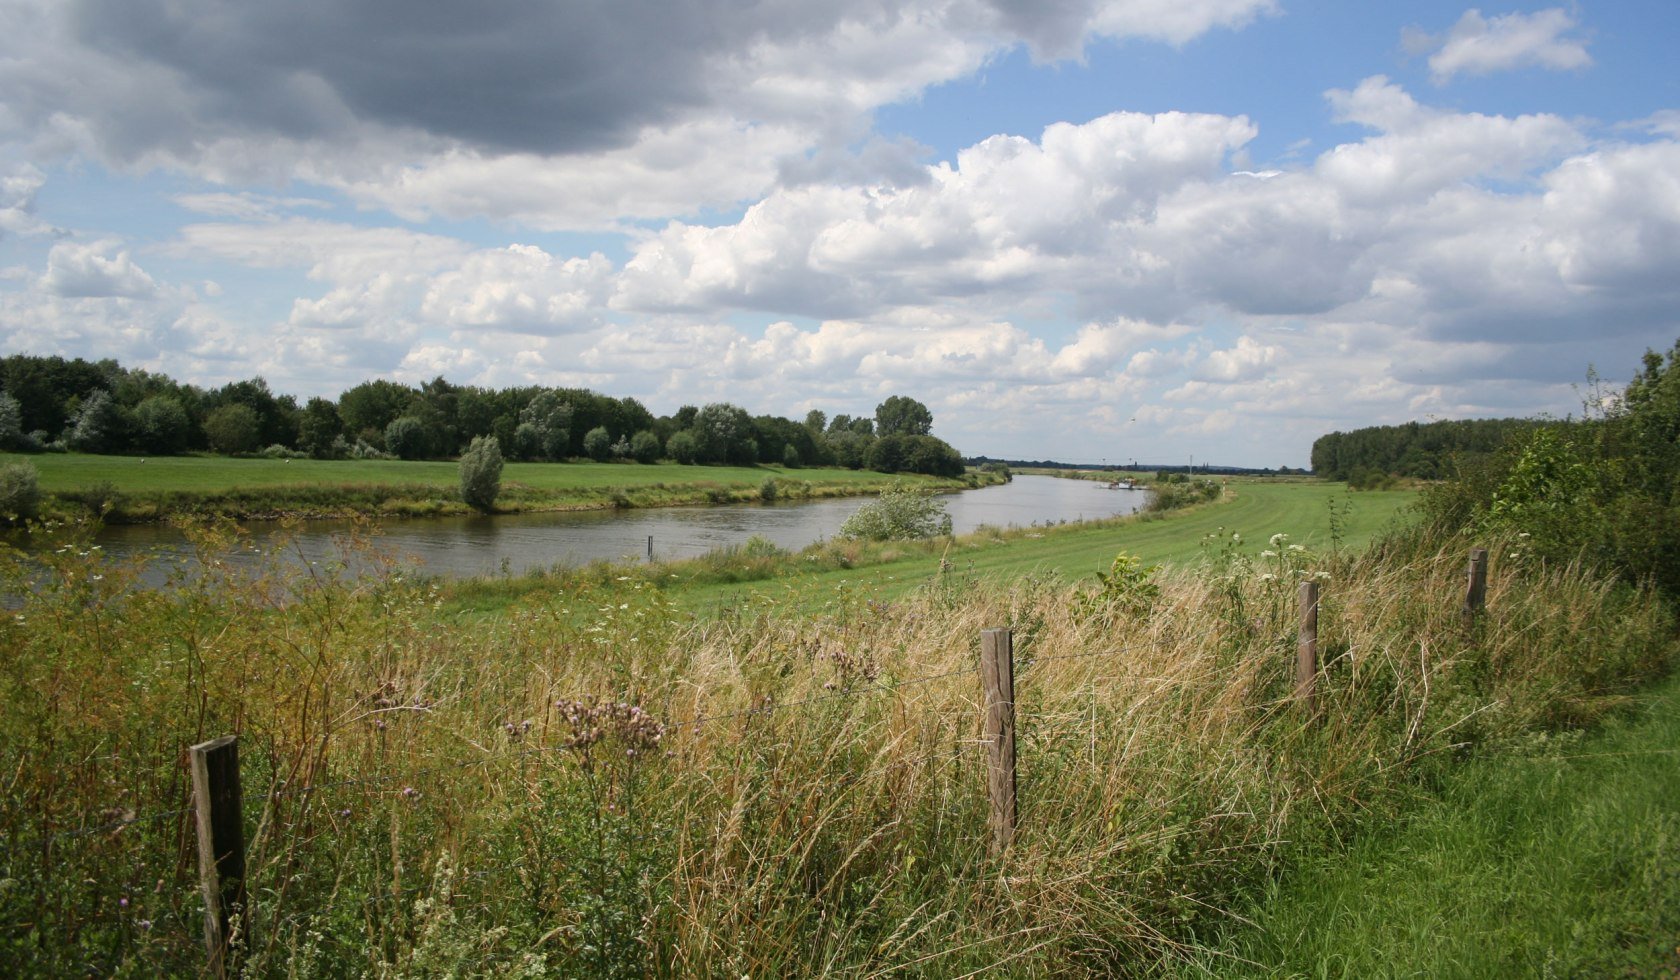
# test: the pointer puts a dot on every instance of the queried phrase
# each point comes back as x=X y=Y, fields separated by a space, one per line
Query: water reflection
x=469 y=546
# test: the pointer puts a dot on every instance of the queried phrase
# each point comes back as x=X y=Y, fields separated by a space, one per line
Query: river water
x=459 y=547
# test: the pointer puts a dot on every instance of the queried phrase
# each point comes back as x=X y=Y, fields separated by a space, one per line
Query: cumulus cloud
x=1479 y=45
x=90 y=271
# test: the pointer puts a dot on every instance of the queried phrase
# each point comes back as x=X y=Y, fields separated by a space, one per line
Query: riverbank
x=600 y=774
x=132 y=489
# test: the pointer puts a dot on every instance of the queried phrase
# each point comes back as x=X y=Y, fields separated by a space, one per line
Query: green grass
x=1558 y=856
x=1253 y=511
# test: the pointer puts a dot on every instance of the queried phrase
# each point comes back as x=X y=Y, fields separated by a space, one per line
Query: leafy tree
x=233 y=429
x=370 y=406
x=790 y=457
x=724 y=433
x=899 y=514
x=683 y=447
x=11 y=422
x=481 y=473
x=815 y=420
x=902 y=416
x=551 y=418
x=406 y=437
x=276 y=416
x=319 y=428
x=97 y=426
x=597 y=444
x=644 y=447
x=161 y=425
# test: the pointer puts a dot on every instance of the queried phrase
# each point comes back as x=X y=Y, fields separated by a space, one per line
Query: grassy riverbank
x=136 y=489
x=1315 y=514
x=595 y=780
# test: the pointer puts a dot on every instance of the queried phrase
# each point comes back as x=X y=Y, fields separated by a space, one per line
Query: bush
x=406 y=437
x=20 y=491
x=481 y=473
x=899 y=514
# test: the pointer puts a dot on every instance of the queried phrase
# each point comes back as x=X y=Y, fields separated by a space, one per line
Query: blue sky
x=1091 y=229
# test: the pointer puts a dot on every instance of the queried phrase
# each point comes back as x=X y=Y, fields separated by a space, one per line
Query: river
x=459 y=547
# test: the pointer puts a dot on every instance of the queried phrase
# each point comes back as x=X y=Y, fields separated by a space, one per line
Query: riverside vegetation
x=594 y=779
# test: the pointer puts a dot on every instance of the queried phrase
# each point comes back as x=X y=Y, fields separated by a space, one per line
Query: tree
x=551 y=419
x=161 y=425
x=644 y=447
x=406 y=437
x=724 y=433
x=97 y=426
x=319 y=426
x=233 y=429
x=683 y=447
x=597 y=444
x=11 y=422
x=902 y=416
x=481 y=473
x=370 y=406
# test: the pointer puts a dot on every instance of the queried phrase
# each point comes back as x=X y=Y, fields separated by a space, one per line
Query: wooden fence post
x=1306 y=647
x=997 y=674
x=221 y=849
x=650 y=547
x=1475 y=591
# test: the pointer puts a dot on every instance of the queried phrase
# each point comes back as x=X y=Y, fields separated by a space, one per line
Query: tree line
x=50 y=403
x=1424 y=450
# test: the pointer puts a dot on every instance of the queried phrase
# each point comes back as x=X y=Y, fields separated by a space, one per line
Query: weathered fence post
x=1475 y=591
x=221 y=849
x=997 y=674
x=650 y=547
x=1306 y=646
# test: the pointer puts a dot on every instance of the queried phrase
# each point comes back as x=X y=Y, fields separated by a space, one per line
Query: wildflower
x=1279 y=538
x=1268 y=554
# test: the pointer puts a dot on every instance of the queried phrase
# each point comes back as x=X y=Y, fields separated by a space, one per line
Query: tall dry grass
x=597 y=784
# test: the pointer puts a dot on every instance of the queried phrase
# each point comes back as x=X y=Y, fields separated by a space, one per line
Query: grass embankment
x=1557 y=854
x=132 y=489
x=596 y=782
x=1322 y=516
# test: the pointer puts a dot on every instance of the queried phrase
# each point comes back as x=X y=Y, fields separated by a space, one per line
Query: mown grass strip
x=1557 y=856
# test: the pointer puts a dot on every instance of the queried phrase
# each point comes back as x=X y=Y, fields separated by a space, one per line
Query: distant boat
x=1122 y=485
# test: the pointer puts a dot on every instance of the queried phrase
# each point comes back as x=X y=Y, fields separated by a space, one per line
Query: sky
x=1162 y=231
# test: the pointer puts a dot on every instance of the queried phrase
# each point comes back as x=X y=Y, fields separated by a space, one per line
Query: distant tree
x=319 y=427
x=161 y=425
x=724 y=433
x=644 y=447
x=528 y=441
x=682 y=447
x=597 y=444
x=406 y=437
x=97 y=426
x=370 y=406
x=11 y=422
x=790 y=457
x=815 y=420
x=902 y=416
x=233 y=429
x=551 y=418
x=481 y=473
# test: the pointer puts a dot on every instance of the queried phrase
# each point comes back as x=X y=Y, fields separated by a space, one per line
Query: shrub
x=899 y=514
x=20 y=491
x=481 y=473
x=406 y=437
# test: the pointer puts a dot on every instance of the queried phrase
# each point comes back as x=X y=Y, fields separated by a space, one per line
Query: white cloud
x=1478 y=45
x=76 y=270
